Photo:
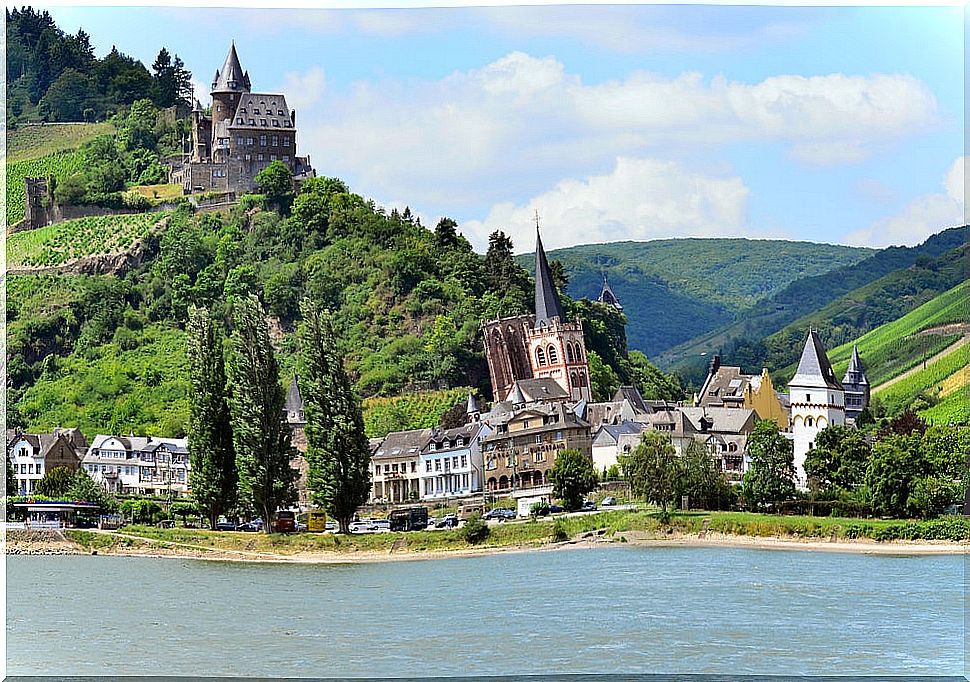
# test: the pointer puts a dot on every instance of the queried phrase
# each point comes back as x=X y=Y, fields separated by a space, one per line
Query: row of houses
x=124 y=465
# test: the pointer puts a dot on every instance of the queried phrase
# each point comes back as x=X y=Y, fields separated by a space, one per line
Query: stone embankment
x=42 y=542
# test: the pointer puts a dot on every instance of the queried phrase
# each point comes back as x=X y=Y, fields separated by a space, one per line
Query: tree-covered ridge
x=693 y=285
x=407 y=303
x=55 y=76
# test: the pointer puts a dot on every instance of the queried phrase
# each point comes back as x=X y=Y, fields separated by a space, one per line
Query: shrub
x=475 y=531
x=539 y=509
x=559 y=533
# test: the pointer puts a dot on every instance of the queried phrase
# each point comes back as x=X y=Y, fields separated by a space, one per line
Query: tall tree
x=55 y=482
x=11 y=478
x=771 y=477
x=338 y=454
x=573 y=475
x=838 y=459
x=700 y=479
x=260 y=434
x=653 y=469
x=213 y=477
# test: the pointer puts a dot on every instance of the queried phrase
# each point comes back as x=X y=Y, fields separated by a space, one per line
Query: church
x=544 y=345
x=244 y=133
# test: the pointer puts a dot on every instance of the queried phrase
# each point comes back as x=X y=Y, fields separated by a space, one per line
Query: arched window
x=582 y=378
x=579 y=353
x=553 y=356
x=569 y=352
x=809 y=421
x=573 y=379
x=540 y=357
x=732 y=447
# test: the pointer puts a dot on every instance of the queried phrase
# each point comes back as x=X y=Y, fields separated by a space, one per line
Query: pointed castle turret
x=817 y=400
x=607 y=296
x=856 y=387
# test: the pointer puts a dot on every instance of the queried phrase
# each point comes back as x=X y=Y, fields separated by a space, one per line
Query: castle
x=245 y=132
x=544 y=345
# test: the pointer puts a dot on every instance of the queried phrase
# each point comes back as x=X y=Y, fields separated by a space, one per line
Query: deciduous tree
x=653 y=469
x=573 y=475
x=771 y=477
x=55 y=482
x=838 y=459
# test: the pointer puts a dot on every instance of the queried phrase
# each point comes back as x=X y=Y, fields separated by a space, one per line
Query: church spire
x=855 y=374
x=548 y=305
x=607 y=296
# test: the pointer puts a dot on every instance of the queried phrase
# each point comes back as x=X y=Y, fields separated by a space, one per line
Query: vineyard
x=893 y=348
x=928 y=382
x=64 y=242
x=409 y=411
x=35 y=141
x=60 y=165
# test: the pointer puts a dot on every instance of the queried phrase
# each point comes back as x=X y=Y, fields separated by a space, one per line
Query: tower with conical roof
x=556 y=345
x=607 y=296
x=856 y=387
x=228 y=85
x=817 y=400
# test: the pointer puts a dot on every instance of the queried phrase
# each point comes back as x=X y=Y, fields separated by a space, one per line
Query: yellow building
x=760 y=396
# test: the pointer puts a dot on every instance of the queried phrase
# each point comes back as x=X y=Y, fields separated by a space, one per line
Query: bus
x=412 y=518
x=316 y=521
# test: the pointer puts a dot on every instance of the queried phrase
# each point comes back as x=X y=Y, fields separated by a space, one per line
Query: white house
x=34 y=454
x=817 y=400
x=136 y=465
x=450 y=463
x=612 y=440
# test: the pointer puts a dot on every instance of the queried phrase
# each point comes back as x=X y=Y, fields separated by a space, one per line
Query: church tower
x=556 y=345
x=817 y=400
x=856 y=387
x=608 y=297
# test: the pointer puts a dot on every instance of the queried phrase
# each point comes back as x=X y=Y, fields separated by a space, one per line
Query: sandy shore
x=49 y=543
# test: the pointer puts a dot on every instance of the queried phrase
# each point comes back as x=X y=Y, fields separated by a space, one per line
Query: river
x=600 y=610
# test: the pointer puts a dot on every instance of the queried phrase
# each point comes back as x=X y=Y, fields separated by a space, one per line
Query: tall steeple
x=855 y=374
x=607 y=296
x=856 y=386
x=814 y=368
x=231 y=78
x=548 y=305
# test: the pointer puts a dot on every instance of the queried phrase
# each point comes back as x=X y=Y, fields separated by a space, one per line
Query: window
x=553 y=356
x=377 y=470
x=809 y=421
x=272 y=157
x=276 y=140
x=525 y=424
x=218 y=107
x=279 y=112
x=558 y=435
x=262 y=122
x=249 y=141
x=427 y=466
x=252 y=121
x=276 y=124
x=538 y=439
x=540 y=357
x=579 y=354
x=387 y=468
x=434 y=446
x=249 y=157
x=286 y=141
x=259 y=157
x=414 y=467
x=808 y=397
x=569 y=352
x=40 y=468
x=454 y=462
x=539 y=457
x=437 y=465
x=256 y=111
x=30 y=468
x=394 y=467
x=262 y=140
x=286 y=159
x=239 y=121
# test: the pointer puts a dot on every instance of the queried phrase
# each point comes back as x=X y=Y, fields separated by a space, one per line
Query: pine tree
x=338 y=455
x=213 y=475
x=260 y=435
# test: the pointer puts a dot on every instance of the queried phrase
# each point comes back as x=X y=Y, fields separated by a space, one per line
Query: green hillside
x=35 y=141
x=64 y=242
x=741 y=340
x=694 y=285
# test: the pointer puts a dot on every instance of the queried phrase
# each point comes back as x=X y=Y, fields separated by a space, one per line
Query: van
x=466 y=510
x=285 y=522
x=316 y=521
x=412 y=518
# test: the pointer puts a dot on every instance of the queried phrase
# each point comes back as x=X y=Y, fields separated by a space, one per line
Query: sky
x=614 y=122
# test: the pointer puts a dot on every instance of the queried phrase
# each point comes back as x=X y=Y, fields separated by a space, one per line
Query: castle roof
x=294 y=401
x=472 y=407
x=231 y=78
x=814 y=368
x=855 y=374
x=262 y=110
x=548 y=305
x=607 y=296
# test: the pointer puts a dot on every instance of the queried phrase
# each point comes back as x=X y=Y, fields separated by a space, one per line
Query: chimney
x=293 y=117
x=715 y=363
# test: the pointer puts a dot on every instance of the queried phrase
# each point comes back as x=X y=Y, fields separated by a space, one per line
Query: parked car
x=500 y=514
x=361 y=526
x=608 y=501
x=555 y=509
x=225 y=524
x=254 y=526
x=449 y=521
x=285 y=522
x=330 y=527
x=381 y=526
x=589 y=505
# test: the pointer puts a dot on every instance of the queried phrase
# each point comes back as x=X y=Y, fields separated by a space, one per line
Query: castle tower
x=817 y=400
x=201 y=133
x=228 y=85
x=607 y=296
x=856 y=387
x=556 y=346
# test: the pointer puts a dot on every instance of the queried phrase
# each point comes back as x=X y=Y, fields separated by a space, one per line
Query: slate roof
x=403 y=444
x=814 y=369
x=231 y=77
x=855 y=374
x=548 y=305
x=472 y=407
x=294 y=401
x=607 y=296
x=542 y=388
x=725 y=384
x=723 y=419
x=631 y=394
x=468 y=433
x=133 y=444
x=610 y=433
x=263 y=111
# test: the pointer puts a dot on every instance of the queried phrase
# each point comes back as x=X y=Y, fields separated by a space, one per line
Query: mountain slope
x=676 y=289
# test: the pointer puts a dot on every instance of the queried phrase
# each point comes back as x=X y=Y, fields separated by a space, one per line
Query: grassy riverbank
x=531 y=534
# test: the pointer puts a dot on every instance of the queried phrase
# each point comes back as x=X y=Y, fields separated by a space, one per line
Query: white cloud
x=303 y=90
x=921 y=217
x=640 y=199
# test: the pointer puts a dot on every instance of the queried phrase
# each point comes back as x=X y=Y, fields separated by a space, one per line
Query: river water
x=601 y=610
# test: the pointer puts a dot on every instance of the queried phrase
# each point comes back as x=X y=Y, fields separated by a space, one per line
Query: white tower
x=817 y=400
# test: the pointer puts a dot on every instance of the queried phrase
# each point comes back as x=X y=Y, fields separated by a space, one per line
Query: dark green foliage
x=338 y=455
x=55 y=483
x=700 y=480
x=213 y=477
x=559 y=532
x=276 y=183
x=475 y=530
x=573 y=475
x=260 y=434
x=11 y=481
x=838 y=459
x=653 y=469
x=897 y=462
x=771 y=478
x=83 y=488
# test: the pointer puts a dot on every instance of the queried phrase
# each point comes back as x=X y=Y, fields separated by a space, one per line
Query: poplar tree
x=260 y=434
x=338 y=454
x=213 y=476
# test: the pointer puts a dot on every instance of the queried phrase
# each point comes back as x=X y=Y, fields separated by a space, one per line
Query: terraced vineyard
x=64 y=242
x=893 y=348
x=59 y=165
x=409 y=411
x=946 y=372
x=31 y=142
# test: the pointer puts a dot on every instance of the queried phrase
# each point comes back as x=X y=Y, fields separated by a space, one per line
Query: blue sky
x=841 y=125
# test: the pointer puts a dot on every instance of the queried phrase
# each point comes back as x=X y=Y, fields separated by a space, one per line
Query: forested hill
x=673 y=290
x=107 y=353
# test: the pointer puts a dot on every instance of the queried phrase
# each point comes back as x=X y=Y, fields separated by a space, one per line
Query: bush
x=539 y=509
x=475 y=531
x=559 y=533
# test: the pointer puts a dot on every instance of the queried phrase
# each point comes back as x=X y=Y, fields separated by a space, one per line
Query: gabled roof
x=722 y=419
x=610 y=433
x=632 y=394
x=266 y=111
x=468 y=433
x=472 y=406
x=231 y=78
x=607 y=296
x=548 y=305
x=516 y=397
x=814 y=368
x=855 y=374
x=541 y=388
x=403 y=444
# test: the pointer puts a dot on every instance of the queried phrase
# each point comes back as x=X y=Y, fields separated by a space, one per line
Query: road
x=952 y=348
